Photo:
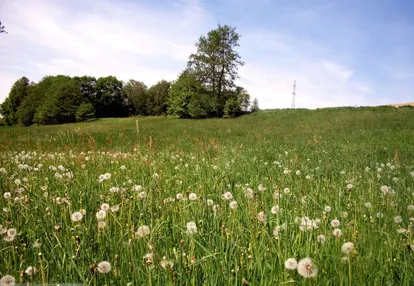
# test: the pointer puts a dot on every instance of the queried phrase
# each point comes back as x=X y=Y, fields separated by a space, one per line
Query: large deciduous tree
x=215 y=64
x=16 y=96
x=136 y=92
x=110 y=101
x=158 y=97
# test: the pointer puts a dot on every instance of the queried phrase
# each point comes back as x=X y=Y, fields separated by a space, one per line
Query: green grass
x=333 y=149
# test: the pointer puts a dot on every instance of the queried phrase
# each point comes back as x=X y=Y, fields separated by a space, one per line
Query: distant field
x=212 y=202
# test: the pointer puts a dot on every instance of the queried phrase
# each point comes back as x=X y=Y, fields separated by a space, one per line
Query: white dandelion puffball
x=191 y=227
x=105 y=207
x=192 y=197
x=321 y=239
x=349 y=186
x=347 y=248
x=142 y=231
x=7 y=280
x=104 y=267
x=398 y=219
x=227 y=196
x=368 y=205
x=107 y=176
x=328 y=209
x=286 y=191
x=76 y=216
x=410 y=208
x=101 y=224
x=11 y=232
x=335 y=223
x=344 y=260
x=275 y=209
x=337 y=232
x=7 y=195
x=306 y=268
x=291 y=264
x=261 y=188
x=233 y=205
x=166 y=264
x=261 y=216
x=179 y=196
x=30 y=271
x=101 y=214
x=142 y=195
x=210 y=202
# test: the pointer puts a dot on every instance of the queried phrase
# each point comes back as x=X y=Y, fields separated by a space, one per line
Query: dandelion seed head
x=347 y=248
x=261 y=216
x=76 y=216
x=275 y=209
x=30 y=271
x=306 y=268
x=7 y=280
x=368 y=205
x=142 y=231
x=291 y=264
x=321 y=239
x=210 y=202
x=227 y=196
x=328 y=209
x=261 y=188
x=104 y=267
x=191 y=227
x=101 y=214
x=335 y=223
x=105 y=207
x=192 y=197
x=398 y=219
x=233 y=205
x=337 y=232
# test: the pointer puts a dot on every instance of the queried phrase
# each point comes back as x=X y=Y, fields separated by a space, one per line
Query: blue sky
x=340 y=52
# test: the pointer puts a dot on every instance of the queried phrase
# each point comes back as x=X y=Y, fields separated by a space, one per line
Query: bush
x=85 y=112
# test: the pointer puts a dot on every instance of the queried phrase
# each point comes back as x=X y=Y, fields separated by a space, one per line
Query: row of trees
x=205 y=88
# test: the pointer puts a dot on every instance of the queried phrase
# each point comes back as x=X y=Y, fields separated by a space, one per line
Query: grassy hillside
x=270 y=186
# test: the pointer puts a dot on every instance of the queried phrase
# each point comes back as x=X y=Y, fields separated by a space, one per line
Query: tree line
x=206 y=88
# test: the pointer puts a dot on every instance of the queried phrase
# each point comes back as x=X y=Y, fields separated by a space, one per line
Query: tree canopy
x=205 y=88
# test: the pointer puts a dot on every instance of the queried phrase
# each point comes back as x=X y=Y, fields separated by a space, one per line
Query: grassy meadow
x=284 y=197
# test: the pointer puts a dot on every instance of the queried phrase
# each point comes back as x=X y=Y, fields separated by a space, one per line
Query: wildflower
x=7 y=195
x=303 y=200
x=380 y=215
x=410 y=208
x=142 y=231
x=123 y=167
x=216 y=208
x=191 y=227
x=306 y=268
x=298 y=172
x=137 y=188
x=275 y=209
x=337 y=232
x=142 y=195
x=155 y=176
x=401 y=230
x=305 y=224
x=321 y=239
x=345 y=260
x=335 y=223
x=385 y=190
x=76 y=216
x=105 y=207
x=328 y=209
x=233 y=205
x=344 y=214
x=286 y=191
x=249 y=193
x=261 y=188
x=291 y=264
x=349 y=186
x=179 y=196
x=398 y=219
x=368 y=205
x=227 y=196
x=107 y=176
x=101 y=224
x=101 y=214
x=210 y=202
x=348 y=247
x=114 y=208
x=104 y=267
x=37 y=244
x=192 y=197
x=148 y=258
x=30 y=271
x=261 y=216
x=7 y=280
x=166 y=263
x=114 y=189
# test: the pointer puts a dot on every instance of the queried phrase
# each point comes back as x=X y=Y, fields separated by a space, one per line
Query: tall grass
x=300 y=169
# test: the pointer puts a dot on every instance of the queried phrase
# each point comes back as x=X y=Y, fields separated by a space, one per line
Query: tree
x=158 y=97
x=255 y=105
x=85 y=112
x=2 y=29
x=16 y=96
x=216 y=62
x=111 y=100
x=61 y=103
x=136 y=92
x=36 y=94
x=181 y=92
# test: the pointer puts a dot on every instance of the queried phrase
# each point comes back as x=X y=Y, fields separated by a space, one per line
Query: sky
x=340 y=52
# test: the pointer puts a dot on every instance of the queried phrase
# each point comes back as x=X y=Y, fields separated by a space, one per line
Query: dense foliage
x=206 y=88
